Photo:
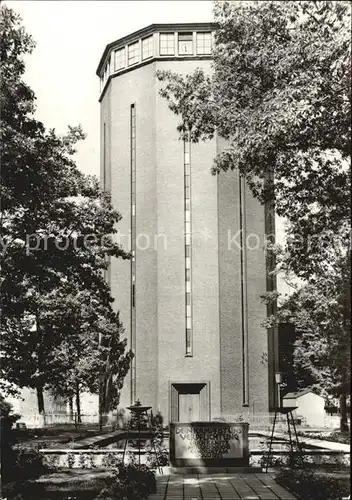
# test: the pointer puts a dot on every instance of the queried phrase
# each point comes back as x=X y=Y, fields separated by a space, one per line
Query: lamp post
x=278 y=379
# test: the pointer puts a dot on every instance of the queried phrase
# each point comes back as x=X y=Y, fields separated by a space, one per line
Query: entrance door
x=189 y=402
x=188 y=407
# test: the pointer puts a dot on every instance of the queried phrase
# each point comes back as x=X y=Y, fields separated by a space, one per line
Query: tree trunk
x=78 y=404
x=70 y=403
x=100 y=409
x=343 y=410
x=40 y=398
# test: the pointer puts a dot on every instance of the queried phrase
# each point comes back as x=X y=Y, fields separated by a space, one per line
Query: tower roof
x=152 y=28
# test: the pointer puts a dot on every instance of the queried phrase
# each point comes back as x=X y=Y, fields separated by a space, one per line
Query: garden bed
x=334 y=437
x=323 y=483
x=131 y=482
x=76 y=484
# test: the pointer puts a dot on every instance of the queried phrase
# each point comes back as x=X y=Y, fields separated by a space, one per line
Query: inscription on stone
x=208 y=442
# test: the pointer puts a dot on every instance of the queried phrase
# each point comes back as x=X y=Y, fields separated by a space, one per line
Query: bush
x=8 y=454
x=130 y=482
x=29 y=465
x=310 y=485
x=160 y=460
x=16 y=465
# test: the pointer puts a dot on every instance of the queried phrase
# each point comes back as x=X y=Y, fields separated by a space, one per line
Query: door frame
x=203 y=384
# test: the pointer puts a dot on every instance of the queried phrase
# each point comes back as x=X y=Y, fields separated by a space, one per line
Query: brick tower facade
x=189 y=298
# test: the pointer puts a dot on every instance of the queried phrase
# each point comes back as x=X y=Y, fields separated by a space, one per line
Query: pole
x=289 y=433
x=271 y=442
x=139 y=439
x=299 y=447
x=278 y=396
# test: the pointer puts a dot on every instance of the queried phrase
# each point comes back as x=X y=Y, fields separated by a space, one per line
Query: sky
x=70 y=38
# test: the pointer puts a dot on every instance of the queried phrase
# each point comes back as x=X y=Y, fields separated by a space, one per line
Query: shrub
x=111 y=460
x=8 y=454
x=29 y=465
x=16 y=465
x=130 y=482
x=160 y=460
x=309 y=485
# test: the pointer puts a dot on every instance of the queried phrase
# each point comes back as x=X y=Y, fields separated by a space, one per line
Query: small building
x=309 y=406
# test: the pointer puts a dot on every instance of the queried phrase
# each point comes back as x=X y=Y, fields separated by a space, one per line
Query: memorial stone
x=213 y=444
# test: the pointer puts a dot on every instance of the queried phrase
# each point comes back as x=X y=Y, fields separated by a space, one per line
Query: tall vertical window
x=204 y=43
x=120 y=59
x=104 y=158
x=185 y=43
x=244 y=298
x=133 y=53
x=167 y=44
x=147 y=47
x=133 y=248
x=188 y=248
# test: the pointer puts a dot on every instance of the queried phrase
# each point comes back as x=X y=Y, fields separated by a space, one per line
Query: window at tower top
x=156 y=41
x=185 y=43
x=167 y=44
x=133 y=53
x=120 y=59
x=147 y=47
x=204 y=43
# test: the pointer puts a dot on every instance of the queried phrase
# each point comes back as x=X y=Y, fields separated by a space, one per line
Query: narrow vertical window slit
x=133 y=246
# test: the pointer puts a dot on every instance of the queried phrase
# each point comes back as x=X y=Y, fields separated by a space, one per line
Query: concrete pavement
x=219 y=487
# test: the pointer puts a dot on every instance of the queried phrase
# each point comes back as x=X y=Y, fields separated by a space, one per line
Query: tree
x=280 y=94
x=94 y=358
x=322 y=355
x=57 y=239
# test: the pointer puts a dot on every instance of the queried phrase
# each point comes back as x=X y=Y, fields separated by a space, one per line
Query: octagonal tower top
x=155 y=42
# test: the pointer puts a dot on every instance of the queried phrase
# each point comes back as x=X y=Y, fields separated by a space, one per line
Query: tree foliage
x=322 y=354
x=59 y=329
x=280 y=94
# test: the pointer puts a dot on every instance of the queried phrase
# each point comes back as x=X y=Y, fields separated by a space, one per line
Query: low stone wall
x=108 y=459
x=82 y=459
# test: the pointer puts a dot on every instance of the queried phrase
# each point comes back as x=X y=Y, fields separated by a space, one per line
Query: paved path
x=219 y=487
